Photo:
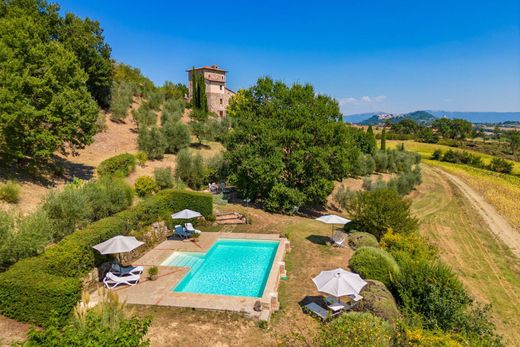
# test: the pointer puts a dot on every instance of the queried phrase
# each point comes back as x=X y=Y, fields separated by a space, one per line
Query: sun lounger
x=191 y=229
x=119 y=270
x=339 y=238
x=111 y=281
x=181 y=232
x=319 y=311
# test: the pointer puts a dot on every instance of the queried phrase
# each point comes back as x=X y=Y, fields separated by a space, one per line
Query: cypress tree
x=383 y=139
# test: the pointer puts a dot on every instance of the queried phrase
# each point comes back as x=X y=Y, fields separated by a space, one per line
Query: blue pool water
x=230 y=267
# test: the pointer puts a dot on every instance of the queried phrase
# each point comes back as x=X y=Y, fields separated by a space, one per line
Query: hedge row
x=34 y=288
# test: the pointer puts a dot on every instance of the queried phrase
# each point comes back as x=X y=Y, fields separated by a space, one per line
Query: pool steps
x=186 y=260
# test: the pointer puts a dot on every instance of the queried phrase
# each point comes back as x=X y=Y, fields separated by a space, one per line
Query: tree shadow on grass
x=319 y=239
x=197 y=145
x=74 y=170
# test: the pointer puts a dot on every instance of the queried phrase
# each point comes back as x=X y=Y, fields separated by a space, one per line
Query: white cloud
x=363 y=100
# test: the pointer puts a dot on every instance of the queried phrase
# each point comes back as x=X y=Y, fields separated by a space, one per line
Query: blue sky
x=393 y=56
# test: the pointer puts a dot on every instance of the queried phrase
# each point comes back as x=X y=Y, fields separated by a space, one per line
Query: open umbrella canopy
x=118 y=244
x=186 y=214
x=339 y=282
x=333 y=219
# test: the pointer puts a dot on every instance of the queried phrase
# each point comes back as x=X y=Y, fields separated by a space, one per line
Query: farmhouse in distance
x=217 y=92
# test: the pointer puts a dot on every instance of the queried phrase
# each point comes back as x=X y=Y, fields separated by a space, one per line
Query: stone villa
x=216 y=91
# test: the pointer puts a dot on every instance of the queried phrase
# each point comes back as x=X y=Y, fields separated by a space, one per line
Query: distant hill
x=373 y=118
x=357 y=118
x=479 y=117
x=421 y=117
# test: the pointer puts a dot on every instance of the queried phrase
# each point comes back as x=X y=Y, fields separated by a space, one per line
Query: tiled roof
x=212 y=67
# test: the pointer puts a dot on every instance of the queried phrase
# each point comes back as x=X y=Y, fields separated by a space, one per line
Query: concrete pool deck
x=159 y=292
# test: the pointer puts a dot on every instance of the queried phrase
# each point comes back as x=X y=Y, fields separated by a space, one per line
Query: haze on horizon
x=393 y=56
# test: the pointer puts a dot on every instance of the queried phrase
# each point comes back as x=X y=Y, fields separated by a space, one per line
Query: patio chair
x=111 y=281
x=119 y=270
x=332 y=301
x=191 y=229
x=319 y=311
x=339 y=238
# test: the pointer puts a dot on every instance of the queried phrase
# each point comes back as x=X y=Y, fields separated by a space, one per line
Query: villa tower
x=216 y=91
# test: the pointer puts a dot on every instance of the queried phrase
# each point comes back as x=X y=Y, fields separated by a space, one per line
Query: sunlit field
x=426 y=150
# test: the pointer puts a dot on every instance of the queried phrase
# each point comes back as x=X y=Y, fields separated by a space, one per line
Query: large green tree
x=85 y=39
x=44 y=101
x=287 y=136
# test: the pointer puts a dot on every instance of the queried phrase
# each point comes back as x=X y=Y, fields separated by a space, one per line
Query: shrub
x=119 y=165
x=355 y=330
x=106 y=324
x=375 y=264
x=68 y=210
x=163 y=177
x=432 y=290
x=343 y=196
x=360 y=239
x=190 y=169
x=217 y=168
x=501 y=165
x=378 y=300
x=284 y=199
x=122 y=95
x=436 y=155
x=55 y=275
x=10 y=192
x=32 y=236
x=364 y=165
x=378 y=210
x=174 y=105
x=177 y=136
x=144 y=117
x=152 y=142
x=142 y=158
x=107 y=196
x=145 y=185
x=407 y=245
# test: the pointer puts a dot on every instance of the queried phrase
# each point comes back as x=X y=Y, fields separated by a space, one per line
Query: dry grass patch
x=500 y=190
x=486 y=266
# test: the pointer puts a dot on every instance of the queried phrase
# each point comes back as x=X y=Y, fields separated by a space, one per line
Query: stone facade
x=216 y=91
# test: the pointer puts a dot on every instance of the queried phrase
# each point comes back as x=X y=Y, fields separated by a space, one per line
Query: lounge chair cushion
x=317 y=310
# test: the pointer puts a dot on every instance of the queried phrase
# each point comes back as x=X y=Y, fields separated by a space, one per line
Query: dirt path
x=497 y=224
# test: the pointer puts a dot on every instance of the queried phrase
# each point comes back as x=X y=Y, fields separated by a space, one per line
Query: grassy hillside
x=485 y=265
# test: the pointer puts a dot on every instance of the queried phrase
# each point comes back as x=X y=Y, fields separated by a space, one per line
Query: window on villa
x=221 y=113
x=220 y=87
x=221 y=101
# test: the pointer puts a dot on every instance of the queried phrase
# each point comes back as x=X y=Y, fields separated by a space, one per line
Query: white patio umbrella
x=339 y=282
x=186 y=214
x=333 y=219
x=118 y=244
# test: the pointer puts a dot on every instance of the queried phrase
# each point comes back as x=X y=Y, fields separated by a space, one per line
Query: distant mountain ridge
x=421 y=117
x=373 y=118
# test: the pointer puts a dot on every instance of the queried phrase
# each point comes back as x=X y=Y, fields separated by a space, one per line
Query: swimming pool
x=230 y=267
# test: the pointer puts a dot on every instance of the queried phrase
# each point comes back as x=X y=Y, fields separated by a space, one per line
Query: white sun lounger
x=190 y=228
x=111 y=281
x=339 y=238
x=119 y=270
